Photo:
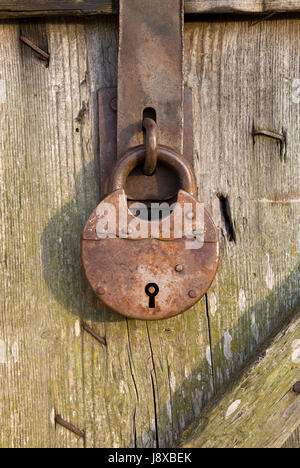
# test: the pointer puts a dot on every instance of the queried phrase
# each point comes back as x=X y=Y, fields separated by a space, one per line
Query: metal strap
x=150 y=73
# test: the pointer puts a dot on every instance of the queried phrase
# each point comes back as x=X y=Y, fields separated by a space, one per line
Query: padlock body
x=120 y=269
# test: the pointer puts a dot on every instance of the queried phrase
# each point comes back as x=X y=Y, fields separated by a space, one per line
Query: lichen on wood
x=260 y=409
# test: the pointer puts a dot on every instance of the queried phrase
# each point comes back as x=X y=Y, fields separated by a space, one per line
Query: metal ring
x=151 y=146
x=165 y=156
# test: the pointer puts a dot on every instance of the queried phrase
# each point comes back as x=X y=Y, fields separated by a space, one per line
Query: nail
x=179 y=268
x=268 y=133
x=93 y=333
x=281 y=137
x=101 y=290
x=193 y=293
x=114 y=104
x=34 y=47
x=59 y=420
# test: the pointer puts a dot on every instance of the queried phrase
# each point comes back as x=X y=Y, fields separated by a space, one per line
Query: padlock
x=153 y=268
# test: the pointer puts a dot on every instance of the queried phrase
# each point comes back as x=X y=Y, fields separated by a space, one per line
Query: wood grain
x=25 y=8
x=260 y=410
x=242 y=75
x=152 y=379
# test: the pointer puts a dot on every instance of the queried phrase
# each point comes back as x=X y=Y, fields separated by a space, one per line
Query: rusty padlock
x=150 y=269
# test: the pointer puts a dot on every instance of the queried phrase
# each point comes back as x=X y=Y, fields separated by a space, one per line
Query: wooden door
x=137 y=383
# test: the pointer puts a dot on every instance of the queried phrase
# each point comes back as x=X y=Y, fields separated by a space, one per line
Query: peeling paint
x=3 y=356
x=242 y=300
x=213 y=304
x=52 y=417
x=15 y=351
x=232 y=408
x=208 y=355
x=169 y=410
x=270 y=277
x=296 y=344
x=2 y=91
x=122 y=387
x=227 y=346
x=296 y=351
x=254 y=328
x=172 y=382
x=77 y=328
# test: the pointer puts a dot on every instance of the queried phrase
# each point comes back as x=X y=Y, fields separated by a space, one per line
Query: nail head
x=193 y=293
x=101 y=290
x=296 y=387
x=179 y=268
x=114 y=104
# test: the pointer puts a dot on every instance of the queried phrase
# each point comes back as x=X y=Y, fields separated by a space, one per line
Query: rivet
x=101 y=290
x=179 y=268
x=193 y=293
x=114 y=104
x=296 y=387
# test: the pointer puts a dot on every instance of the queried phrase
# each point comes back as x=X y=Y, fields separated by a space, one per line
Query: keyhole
x=152 y=290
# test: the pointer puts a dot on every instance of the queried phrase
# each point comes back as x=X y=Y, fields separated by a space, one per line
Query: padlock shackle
x=166 y=156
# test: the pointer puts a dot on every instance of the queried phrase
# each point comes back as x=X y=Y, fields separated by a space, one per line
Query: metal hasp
x=144 y=265
x=150 y=73
x=150 y=83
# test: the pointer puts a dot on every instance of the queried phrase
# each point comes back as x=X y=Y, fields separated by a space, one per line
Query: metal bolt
x=193 y=293
x=179 y=268
x=190 y=215
x=101 y=290
x=296 y=387
x=114 y=104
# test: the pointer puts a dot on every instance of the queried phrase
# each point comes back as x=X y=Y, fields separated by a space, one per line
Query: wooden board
x=152 y=379
x=25 y=8
x=260 y=410
x=243 y=75
x=140 y=389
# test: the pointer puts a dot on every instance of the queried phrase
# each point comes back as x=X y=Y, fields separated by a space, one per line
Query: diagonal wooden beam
x=30 y=8
x=261 y=409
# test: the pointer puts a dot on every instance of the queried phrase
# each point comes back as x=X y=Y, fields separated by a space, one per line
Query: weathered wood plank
x=26 y=8
x=41 y=369
x=241 y=6
x=260 y=410
x=150 y=380
x=244 y=75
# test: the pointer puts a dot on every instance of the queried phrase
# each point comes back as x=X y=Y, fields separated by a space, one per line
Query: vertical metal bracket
x=150 y=79
x=150 y=71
